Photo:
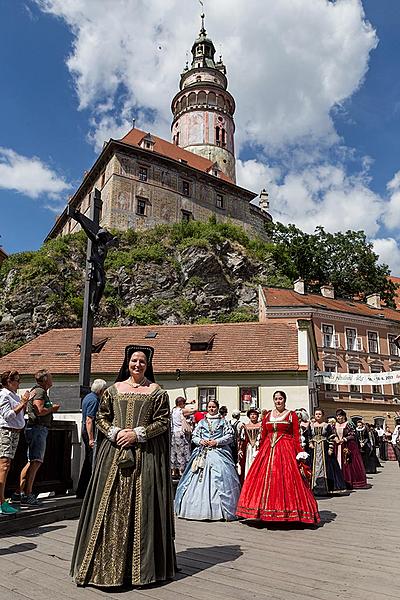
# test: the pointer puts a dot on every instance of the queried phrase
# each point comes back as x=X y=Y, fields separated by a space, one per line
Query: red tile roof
x=236 y=347
x=279 y=297
x=135 y=136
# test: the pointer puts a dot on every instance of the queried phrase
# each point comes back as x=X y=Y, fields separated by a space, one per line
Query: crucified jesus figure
x=102 y=240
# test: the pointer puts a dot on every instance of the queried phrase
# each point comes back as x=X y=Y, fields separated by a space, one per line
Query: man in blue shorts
x=40 y=412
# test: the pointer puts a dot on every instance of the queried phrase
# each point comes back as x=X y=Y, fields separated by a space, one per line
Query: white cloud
x=388 y=250
x=392 y=212
x=29 y=176
x=289 y=62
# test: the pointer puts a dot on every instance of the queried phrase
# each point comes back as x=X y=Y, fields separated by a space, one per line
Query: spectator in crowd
x=90 y=406
x=181 y=434
x=236 y=425
x=12 y=422
x=223 y=411
x=40 y=411
x=396 y=439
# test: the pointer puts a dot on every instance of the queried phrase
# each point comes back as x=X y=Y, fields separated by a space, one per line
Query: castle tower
x=203 y=109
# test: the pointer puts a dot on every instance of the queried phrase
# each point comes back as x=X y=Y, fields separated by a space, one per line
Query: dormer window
x=148 y=142
x=201 y=342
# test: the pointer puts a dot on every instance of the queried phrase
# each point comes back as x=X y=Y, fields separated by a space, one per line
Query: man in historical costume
x=126 y=529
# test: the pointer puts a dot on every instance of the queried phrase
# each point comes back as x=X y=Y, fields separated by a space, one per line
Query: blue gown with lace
x=209 y=487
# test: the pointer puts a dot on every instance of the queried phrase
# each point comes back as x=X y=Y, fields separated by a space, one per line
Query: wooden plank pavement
x=353 y=555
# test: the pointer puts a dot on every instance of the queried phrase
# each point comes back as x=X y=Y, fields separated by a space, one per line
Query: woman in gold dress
x=126 y=531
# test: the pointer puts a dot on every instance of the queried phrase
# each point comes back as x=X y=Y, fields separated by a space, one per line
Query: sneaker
x=15 y=497
x=7 y=509
x=30 y=500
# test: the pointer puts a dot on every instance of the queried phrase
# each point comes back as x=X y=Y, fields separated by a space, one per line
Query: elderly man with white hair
x=90 y=406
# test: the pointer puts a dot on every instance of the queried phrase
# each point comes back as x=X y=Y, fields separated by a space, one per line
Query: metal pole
x=88 y=317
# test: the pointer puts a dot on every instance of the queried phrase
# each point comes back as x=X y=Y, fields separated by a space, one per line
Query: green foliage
x=204 y=321
x=7 y=347
x=145 y=313
x=346 y=260
x=240 y=315
x=195 y=282
x=186 y=307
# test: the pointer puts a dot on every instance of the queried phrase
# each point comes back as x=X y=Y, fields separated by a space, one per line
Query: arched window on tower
x=212 y=99
x=223 y=136
x=201 y=98
x=218 y=136
x=221 y=101
x=184 y=102
x=192 y=99
x=176 y=138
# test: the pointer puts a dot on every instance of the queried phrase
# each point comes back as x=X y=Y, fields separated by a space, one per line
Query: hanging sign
x=383 y=378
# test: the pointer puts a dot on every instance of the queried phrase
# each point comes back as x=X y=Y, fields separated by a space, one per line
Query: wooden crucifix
x=98 y=244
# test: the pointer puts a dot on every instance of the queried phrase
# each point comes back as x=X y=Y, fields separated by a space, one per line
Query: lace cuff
x=112 y=433
x=140 y=434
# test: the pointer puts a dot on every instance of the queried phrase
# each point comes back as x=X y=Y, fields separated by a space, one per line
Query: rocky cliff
x=187 y=273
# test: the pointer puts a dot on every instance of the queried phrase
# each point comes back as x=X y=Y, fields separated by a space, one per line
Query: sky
x=316 y=85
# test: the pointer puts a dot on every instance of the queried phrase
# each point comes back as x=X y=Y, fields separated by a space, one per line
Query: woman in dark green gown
x=126 y=530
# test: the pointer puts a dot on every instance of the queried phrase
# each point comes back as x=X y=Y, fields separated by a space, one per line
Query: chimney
x=299 y=287
x=374 y=300
x=263 y=202
x=328 y=291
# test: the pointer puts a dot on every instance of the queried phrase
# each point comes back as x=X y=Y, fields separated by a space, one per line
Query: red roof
x=279 y=297
x=234 y=347
x=135 y=136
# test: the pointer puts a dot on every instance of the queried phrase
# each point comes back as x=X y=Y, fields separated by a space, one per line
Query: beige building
x=352 y=337
x=145 y=180
x=239 y=364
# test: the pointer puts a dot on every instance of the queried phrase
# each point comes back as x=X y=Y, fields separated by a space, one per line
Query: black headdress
x=129 y=350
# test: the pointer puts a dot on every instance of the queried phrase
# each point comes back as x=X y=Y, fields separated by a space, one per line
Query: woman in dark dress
x=348 y=453
x=327 y=476
x=367 y=447
x=126 y=530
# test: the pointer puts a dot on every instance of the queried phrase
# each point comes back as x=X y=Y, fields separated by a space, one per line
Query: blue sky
x=317 y=88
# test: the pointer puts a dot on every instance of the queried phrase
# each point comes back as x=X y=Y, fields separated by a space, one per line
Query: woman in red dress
x=274 y=489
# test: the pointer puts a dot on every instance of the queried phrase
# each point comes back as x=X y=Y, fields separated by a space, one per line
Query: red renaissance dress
x=274 y=489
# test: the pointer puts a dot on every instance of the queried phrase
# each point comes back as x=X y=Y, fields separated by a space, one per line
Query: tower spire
x=203 y=108
x=203 y=29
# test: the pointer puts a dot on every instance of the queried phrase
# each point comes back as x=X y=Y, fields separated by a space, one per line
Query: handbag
x=126 y=458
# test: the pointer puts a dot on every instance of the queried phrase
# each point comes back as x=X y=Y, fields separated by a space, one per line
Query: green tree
x=345 y=260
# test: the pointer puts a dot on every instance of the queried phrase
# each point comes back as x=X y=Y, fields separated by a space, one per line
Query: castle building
x=145 y=180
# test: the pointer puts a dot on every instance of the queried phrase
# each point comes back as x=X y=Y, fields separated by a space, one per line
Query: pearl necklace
x=135 y=385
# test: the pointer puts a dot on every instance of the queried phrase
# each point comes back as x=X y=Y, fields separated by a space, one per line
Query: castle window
x=141 y=207
x=186 y=216
x=143 y=173
x=223 y=136
x=176 y=137
x=185 y=188
x=205 y=395
x=217 y=136
x=219 y=201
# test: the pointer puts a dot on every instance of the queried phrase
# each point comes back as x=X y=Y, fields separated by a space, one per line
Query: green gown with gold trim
x=126 y=528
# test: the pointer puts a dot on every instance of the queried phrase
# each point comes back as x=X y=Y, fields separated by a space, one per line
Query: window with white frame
x=330 y=368
x=354 y=369
x=396 y=386
x=205 y=394
x=393 y=349
x=373 y=344
x=248 y=398
x=351 y=338
x=377 y=388
x=330 y=339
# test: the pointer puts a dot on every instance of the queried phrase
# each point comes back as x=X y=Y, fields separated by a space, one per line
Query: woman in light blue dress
x=209 y=487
